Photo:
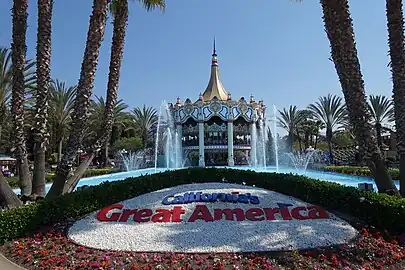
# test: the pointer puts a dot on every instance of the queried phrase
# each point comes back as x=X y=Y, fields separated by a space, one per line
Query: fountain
x=253 y=153
x=157 y=138
x=301 y=160
x=275 y=140
x=133 y=160
x=261 y=146
x=171 y=143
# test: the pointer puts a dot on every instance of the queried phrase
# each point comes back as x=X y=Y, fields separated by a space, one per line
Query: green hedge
x=382 y=211
x=359 y=171
x=13 y=181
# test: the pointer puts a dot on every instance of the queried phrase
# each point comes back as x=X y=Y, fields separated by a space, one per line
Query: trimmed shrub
x=13 y=181
x=382 y=211
x=359 y=171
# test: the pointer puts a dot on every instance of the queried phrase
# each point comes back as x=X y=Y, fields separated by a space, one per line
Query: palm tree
x=6 y=73
x=95 y=37
x=145 y=121
x=396 y=42
x=60 y=108
x=381 y=111
x=119 y=10
x=330 y=110
x=120 y=120
x=40 y=130
x=339 y=30
x=18 y=49
x=289 y=120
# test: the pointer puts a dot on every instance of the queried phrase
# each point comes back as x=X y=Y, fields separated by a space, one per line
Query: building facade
x=217 y=129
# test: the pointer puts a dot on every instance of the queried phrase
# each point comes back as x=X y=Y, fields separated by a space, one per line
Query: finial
x=214 y=55
x=178 y=102
x=214 y=52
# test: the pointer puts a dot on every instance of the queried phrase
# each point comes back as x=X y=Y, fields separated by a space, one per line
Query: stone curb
x=6 y=264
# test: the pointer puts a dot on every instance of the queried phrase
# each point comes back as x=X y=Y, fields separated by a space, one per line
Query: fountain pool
x=344 y=179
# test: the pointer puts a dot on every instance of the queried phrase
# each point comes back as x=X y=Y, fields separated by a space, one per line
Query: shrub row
x=13 y=181
x=380 y=210
x=359 y=171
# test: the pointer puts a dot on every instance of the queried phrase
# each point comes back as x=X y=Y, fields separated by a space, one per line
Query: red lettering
x=270 y=212
x=254 y=214
x=126 y=214
x=201 y=212
x=143 y=215
x=285 y=214
x=295 y=213
x=162 y=215
x=176 y=213
x=316 y=212
x=102 y=215
x=230 y=214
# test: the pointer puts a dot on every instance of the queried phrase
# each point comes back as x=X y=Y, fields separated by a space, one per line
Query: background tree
x=6 y=74
x=145 y=120
x=60 y=109
x=381 y=111
x=289 y=120
x=270 y=149
x=330 y=110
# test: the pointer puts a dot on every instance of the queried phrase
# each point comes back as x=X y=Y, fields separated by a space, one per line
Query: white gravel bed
x=217 y=236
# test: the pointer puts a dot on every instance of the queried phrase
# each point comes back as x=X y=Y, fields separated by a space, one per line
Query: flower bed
x=354 y=170
x=51 y=248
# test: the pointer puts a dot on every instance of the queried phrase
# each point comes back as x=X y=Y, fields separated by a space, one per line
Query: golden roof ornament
x=215 y=87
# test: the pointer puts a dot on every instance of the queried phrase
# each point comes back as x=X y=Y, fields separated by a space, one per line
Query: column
x=253 y=137
x=179 y=148
x=231 y=161
x=201 y=160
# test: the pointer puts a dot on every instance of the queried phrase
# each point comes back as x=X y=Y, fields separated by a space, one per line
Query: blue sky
x=275 y=50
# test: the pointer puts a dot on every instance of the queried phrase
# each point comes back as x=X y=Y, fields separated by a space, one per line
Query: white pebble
x=217 y=236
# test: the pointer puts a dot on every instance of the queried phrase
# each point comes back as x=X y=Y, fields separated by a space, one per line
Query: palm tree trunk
x=41 y=135
x=95 y=37
x=330 y=149
x=60 y=145
x=396 y=42
x=72 y=182
x=316 y=141
x=117 y=52
x=19 y=50
x=8 y=199
x=329 y=135
x=339 y=29
x=378 y=133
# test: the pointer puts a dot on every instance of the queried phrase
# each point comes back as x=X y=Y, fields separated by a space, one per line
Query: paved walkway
x=5 y=264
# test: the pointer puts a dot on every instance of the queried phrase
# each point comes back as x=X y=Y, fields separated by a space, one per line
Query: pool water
x=344 y=179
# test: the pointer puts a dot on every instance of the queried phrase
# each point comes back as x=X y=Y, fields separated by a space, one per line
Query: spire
x=214 y=55
x=215 y=87
x=214 y=51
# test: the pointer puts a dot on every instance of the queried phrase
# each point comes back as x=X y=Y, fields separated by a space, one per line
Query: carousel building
x=217 y=129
